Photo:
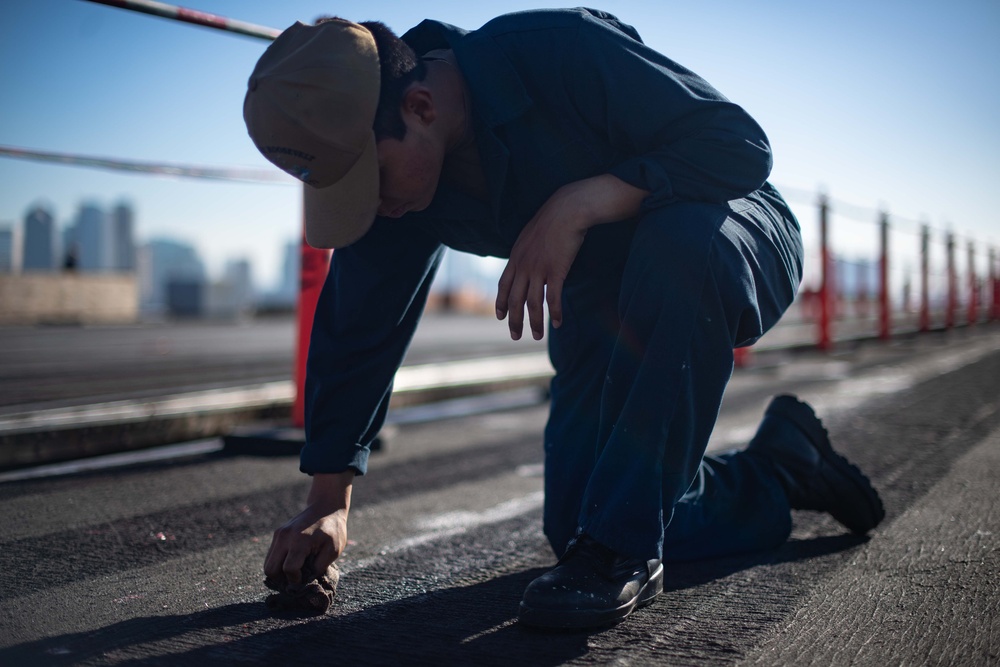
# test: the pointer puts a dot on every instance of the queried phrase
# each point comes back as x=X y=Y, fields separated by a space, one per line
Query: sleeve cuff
x=316 y=459
x=646 y=174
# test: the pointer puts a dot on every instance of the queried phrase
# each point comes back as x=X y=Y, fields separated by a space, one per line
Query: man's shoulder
x=553 y=19
x=431 y=34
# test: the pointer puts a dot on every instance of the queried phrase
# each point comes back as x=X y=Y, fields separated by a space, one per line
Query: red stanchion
x=314 y=266
x=994 y=287
x=884 y=320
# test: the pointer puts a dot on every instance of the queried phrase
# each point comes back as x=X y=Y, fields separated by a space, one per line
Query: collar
x=498 y=94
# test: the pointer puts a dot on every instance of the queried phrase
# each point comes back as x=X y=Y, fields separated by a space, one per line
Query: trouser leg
x=664 y=384
x=735 y=505
x=579 y=350
x=688 y=296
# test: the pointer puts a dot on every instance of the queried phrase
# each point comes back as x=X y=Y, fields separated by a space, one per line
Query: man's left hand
x=547 y=246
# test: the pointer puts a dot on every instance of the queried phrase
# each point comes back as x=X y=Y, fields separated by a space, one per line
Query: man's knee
x=670 y=252
x=679 y=231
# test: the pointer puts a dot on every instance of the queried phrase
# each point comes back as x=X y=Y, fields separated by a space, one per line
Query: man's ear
x=419 y=102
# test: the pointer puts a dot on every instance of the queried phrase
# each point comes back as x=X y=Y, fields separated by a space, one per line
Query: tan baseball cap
x=309 y=108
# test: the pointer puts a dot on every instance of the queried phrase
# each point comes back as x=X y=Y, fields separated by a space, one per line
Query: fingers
x=536 y=312
x=515 y=316
x=553 y=296
x=276 y=554
x=516 y=290
x=511 y=295
x=292 y=567
x=503 y=290
x=286 y=555
x=327 y=554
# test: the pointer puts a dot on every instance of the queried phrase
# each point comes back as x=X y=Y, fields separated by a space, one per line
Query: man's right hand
x=319 y=530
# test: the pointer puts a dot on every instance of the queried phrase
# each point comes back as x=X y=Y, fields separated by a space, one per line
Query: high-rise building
x=162 y=261
x=123 y=238
x=289 y=281
x=284 y=294
x=233 y=295
x=39 y=240
x=7 y=263
x=70 y=250
x=239 y=275
x=93 y=239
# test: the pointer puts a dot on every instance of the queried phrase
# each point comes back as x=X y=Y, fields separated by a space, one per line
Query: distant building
x=162 y=261
x=290 y=278
x=233 y=296
x=70 y=249
x=7 y=247
x=185 y=297
x=93 y=239
x=39 y=240
x=123 y=238
x=239 y=274
x=284 y=296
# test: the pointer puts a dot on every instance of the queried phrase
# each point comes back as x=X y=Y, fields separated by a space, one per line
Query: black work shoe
x=814 y=476
x=591 y=586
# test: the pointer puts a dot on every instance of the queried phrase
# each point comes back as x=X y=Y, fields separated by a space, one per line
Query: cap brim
x=340 y=214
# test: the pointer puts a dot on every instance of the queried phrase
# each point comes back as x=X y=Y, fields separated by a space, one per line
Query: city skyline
x=883 y=105
x=170 y=274
x=120 y=216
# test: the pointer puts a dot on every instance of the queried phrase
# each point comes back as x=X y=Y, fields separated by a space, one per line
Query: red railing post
x=994 y=287
x=826 y=287
x=925 y=301
x=949 y=311
x=973 y=312
x=884 y=319
x=313 y=268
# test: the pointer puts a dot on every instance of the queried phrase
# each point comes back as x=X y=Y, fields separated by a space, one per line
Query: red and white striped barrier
x=194 y=16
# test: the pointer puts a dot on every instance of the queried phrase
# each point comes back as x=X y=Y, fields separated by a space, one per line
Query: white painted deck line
x=408 y=379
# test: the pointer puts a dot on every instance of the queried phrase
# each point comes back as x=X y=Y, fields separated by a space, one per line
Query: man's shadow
x=470 y=624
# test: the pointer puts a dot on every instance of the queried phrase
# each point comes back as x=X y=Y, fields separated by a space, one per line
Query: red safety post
x=925 y=300
x=949 y=312
x=994 y=287
x=826 y=287
x=884 y=319
x=315 y=264
x=972 y=315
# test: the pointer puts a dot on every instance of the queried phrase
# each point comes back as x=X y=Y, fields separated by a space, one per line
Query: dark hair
x=399 y=67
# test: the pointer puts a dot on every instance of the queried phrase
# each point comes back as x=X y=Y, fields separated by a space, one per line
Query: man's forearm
x=332 y=491
x=604 y=198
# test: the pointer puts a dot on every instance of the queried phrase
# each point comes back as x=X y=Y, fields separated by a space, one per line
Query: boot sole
x=569 y=619
x=862 y=517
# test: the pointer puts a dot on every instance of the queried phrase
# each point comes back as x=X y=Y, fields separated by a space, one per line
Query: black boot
x=591 y=586
x=814 y=476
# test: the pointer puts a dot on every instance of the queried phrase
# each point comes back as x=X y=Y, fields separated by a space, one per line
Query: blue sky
x=881 y=103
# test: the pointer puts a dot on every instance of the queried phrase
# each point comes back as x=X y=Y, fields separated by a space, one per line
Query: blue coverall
x=653 y=306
